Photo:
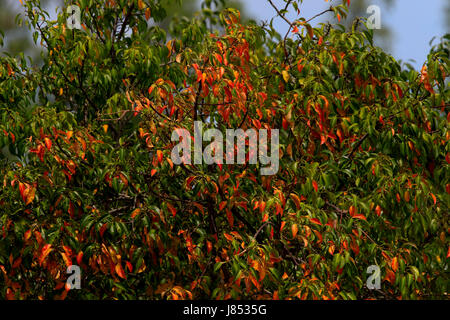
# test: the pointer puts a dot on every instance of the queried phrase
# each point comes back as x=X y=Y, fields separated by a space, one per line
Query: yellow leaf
x=66 y=259
x=285 y=75
x=105 y=128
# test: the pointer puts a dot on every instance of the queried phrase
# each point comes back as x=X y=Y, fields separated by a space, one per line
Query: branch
x=125 y=22
x=279 y=13
x=319 y=14
x=358 y=144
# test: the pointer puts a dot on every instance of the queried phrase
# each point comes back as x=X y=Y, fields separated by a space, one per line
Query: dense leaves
x=364 y=160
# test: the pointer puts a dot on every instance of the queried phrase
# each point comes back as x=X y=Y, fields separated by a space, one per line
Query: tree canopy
x=363 y=173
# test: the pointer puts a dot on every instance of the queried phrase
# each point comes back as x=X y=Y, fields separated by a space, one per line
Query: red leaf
x=316 y=221
x=314 y=183
x=378 y=210
x=300 y=66
x=230 y=218
x=102 y=229
x=171 y=209
x=285 y=124
x=129 y=266
x=359 y=216
x=352 y=211
x=79 y=257
x=262 y=206
x=222 y=205
x=189 y=181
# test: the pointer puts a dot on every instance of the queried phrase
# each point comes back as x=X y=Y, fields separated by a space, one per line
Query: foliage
x=364 y=161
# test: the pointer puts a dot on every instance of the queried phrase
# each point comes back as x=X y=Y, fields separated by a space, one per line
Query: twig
x=358 y=145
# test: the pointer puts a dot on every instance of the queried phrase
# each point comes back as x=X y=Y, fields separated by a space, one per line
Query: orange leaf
x=265 y=218
x=48 y=143
x=30 y=195
x=119 y=271
x=135 y=213
x=406 y=196
x=434 y=198
x=159 y=155
x=394 y=264
x=352 y=211
x=294 y=229
x=319 y=236
x=331 y=249
x=45 y=252
x=208 y=246
x=228 y=237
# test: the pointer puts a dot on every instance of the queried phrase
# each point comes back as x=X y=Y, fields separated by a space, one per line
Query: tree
x=363 y=173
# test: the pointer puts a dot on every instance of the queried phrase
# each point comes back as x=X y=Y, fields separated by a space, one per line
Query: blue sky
x=413 y=23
